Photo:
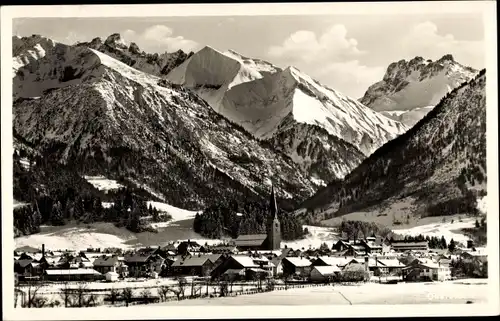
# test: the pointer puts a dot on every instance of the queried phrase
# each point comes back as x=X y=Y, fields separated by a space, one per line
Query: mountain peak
x=115 y=40
x=447 y=57
x=417 y=83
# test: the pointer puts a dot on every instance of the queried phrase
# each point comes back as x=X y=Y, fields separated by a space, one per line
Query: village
x=248 y=264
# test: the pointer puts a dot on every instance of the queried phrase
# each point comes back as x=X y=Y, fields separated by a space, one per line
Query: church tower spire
x=274 y=226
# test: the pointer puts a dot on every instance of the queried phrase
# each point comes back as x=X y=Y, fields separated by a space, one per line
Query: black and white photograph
x=250 y=160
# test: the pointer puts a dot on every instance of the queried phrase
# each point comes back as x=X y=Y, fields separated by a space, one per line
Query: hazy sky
x=346 y=52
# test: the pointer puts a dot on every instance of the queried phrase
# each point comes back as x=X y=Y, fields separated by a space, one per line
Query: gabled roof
x=327 y=270
x=250 y=240
x=298 y=261
x=106 y=261
x=407 y=243
x=214 y=257
x=393 y=263
x=334 y=261
x=192 y=261
x=244 y=261
x=72 y=272
x=24 y=263
x=137 y=258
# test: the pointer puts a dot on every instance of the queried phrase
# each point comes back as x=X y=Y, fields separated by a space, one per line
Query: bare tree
x=113 y=295
x=33 y=299
x=79 y=295
x=127 y=295
x=163 y=292
x=145 y=295
x=195 y=288
x=66 y=295
x=222 y=285
x=181 y=285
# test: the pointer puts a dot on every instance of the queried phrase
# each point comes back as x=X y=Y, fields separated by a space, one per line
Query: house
x=235 y=262
x=27 y=268
x=111 y=276
x=477 y=254
x=331 y=261
x=390 y=266
x=403 y=246
x=264 y=264
x=143 y=265
x=371 y=245
x=423 y=269
x=296 y=266
x=69 y=261
x=189 y=246
x=250 y=242
x=107 y=263
x=341 y=246
x=199 y=265
x=223 y=249
x=324 y=273
x=72 y=275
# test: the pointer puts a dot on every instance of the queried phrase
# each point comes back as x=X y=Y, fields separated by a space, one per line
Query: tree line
x=232 y=219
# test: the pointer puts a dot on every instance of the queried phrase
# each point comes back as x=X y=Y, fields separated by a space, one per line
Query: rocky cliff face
x=411 y=87
x=438 y=167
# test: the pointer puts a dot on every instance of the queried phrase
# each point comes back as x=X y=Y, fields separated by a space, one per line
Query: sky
x=345 y=52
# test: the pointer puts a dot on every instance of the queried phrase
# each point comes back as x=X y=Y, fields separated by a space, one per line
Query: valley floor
x=450 y=292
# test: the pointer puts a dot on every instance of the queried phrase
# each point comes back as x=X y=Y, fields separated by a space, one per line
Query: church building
x=270 y=241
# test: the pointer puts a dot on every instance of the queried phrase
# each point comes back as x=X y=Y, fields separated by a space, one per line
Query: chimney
x=43 y=250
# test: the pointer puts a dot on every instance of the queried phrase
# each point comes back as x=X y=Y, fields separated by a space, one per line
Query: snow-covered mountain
x=412 y=87
x=129 y=53
x=104 y=117
x=438 y=167
x=268 y=102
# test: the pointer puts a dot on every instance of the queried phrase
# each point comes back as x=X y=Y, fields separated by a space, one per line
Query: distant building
x=403 y=246
x=296 y=266
x=269 y=241
x=422 y=269
x=324 y=273
x=73 y=275
x=194 y=266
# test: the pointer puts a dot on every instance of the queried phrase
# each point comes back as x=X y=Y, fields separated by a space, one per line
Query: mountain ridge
x=448 y=181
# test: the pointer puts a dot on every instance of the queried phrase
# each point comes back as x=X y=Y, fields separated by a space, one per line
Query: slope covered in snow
x=268 y=102
x=417 y=83
x=437 y=168
x=408 y=117
x=101 y=115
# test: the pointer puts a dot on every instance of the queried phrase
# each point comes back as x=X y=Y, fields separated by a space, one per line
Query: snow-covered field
x=370 y=293
x=73 y=238
x=317 y=235
x=447 y=229
x=177 y=214
x=102 y=183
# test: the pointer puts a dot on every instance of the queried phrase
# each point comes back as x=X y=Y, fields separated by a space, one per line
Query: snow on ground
x=177 y=214
x=482 y=205
x=19 y=204
x=107 y=204
x=447 y=229
x=102 y=183
x=73 y=238
x=458 y=292
x=317 y=235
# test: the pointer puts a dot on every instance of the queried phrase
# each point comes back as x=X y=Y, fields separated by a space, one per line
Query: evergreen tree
x=452 y=246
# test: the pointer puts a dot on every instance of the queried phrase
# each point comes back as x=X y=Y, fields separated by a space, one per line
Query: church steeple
x=274 y=207
x=274 y=228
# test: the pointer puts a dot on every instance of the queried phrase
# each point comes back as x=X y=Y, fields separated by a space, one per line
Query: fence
x=215 y=291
